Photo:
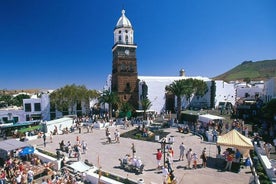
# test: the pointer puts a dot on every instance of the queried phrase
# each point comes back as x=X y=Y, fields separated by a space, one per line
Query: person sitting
x=138 y=162
x=126 y=159
x=133 y=161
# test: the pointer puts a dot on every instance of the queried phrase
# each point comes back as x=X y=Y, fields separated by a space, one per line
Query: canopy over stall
x=79 y=166
x=206 y=118
x=236 y=140
x=9 y=145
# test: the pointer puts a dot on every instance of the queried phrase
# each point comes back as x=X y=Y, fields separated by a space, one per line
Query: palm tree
x=111 y=98
x=146 y=104
x=176 y=88
x=125 y=109
x=187 y=88
x=194 y=87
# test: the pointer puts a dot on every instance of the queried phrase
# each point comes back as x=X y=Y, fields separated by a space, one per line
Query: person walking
x=117 y=136
x=165 y=174
x=51 y=136
x=194 y=159
x=84 y=147
x=182 y=150
x=133 y=149
x=158 y=158
x=169 y=163
x=44 y=139
x=204 y=158
x=189 y=157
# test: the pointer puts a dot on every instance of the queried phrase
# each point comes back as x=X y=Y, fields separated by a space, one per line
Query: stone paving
x=108 y=155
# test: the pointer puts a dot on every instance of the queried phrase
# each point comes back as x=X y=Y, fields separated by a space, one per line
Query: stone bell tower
x=124 y=65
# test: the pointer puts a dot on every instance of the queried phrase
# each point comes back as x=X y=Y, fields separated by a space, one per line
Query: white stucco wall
x=225 y=92
x=156 y=89
x=251 y=91
x=270 y=89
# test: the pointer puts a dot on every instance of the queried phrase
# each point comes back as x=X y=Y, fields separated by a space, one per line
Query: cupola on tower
x=124 y=65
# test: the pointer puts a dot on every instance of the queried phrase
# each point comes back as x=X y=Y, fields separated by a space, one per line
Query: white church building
x=224 y=92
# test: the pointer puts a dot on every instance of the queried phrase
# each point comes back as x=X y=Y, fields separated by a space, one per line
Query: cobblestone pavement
x=108 y=155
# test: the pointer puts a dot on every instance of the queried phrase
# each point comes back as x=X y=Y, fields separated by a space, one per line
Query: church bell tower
x=124 y=65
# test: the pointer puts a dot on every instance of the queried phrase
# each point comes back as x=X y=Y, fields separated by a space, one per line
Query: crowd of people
x=18 y=171
x=167 y=153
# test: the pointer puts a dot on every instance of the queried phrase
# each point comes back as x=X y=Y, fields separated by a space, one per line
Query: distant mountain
x=259 y=70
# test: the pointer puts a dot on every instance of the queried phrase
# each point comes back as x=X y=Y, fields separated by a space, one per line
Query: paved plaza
x=108 y=155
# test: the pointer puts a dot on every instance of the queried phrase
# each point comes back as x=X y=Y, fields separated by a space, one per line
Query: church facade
x=126 y=82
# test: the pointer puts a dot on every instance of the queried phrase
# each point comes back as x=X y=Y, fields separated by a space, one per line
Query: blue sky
x=53 y=43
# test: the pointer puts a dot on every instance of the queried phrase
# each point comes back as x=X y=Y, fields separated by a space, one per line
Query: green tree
x=67 y=97
x=18 y=100
x=125 y=110
x=213 y=94
x=176 y=88
x=187 y=88
x=145 y=104
x=269 y=110
x=6 y=98
x=194 y=87
x=111 y=98
x=247 y=80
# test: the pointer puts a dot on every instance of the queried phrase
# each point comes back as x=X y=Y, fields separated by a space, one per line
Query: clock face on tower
x=127 y=52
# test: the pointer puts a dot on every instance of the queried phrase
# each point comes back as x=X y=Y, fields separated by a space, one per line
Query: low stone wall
x=47 y=158
x=266 y=162
x=94 y=178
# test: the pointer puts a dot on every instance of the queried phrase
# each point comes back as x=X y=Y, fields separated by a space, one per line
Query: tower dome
x=123 y=21
x=123 y=32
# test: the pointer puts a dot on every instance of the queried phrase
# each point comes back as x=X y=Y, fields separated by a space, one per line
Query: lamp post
x=163 y=147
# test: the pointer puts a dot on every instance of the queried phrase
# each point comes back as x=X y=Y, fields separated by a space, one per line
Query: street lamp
x=163 y=143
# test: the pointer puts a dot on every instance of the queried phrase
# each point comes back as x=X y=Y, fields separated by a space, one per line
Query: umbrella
x=26 y=151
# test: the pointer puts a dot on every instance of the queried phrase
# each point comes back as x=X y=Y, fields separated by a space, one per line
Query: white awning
x=209 y=117
x=79 y=166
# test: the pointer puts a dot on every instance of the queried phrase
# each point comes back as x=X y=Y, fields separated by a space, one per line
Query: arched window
x=120 y=38
x=126 y=39
x=131 y=67
x=123 y=67
x=128 y=88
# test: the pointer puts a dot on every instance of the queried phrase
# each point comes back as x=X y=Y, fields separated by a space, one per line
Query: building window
x=123 y=67
x=28 y=107
x=120 y=38
x=126 y=39
x=131 y=67
x=5 y=119
x=127 y=89
x=37 y=107
x=15 y=119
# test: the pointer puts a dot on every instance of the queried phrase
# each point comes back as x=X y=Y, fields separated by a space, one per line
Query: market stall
x=236 y=140
x=211 y=124
x=7 y=147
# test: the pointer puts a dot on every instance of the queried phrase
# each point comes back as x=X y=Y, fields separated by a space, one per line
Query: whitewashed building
x=33 y=109
x=251 y=90
x=270 y=89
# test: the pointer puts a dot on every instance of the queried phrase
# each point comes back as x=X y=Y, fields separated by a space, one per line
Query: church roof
x=123 y=21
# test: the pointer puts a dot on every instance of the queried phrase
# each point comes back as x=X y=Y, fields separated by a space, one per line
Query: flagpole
x=100 y=172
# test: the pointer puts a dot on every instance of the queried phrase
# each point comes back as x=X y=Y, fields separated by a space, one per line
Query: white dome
x=123 y=21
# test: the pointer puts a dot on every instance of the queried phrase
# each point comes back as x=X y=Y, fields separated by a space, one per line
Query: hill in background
x=255 y=71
